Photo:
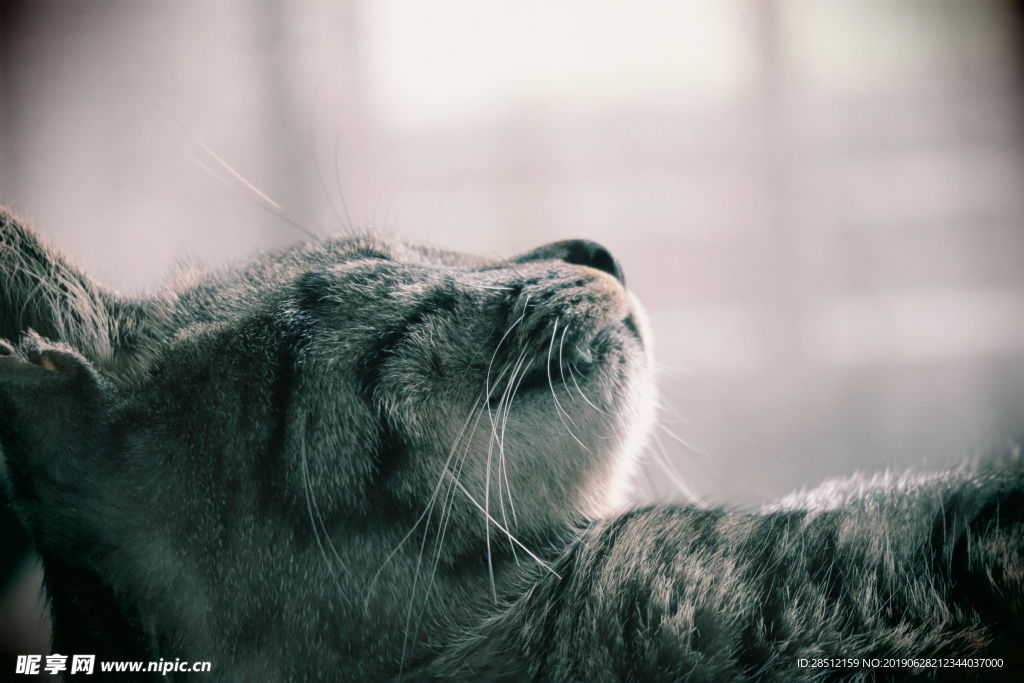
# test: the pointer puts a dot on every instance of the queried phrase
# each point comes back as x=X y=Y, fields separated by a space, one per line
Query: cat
x=364 y=460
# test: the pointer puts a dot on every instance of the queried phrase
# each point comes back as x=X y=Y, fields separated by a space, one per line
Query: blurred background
x=821 y=202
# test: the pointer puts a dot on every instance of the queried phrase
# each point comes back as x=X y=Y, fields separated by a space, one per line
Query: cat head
x=313 y=419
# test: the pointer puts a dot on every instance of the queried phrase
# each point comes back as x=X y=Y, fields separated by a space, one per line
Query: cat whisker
x=337 y=180
x=560 y=344
x=504 y=424
x=572 y=375
x=494 y=437
x=447 y=504
x=561 y=364
x=490 y=364
x=412 y=592
x=664 y=463
x=558 y=406
x=311 y=505
x=343 y=226
x=448 y=501
x=442 y=526
x=682 y=442
x=561 y=372
x=504 y=406
x=430 y=503
x=487 y=472
x=529 y=552
x=316 y=162
x=259 y=197
x=487 y=516
x=320 y=518
x=618 y=413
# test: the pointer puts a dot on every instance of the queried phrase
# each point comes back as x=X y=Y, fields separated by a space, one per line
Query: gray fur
x=284 y=468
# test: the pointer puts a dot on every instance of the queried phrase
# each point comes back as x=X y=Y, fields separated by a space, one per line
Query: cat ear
x=41 y=290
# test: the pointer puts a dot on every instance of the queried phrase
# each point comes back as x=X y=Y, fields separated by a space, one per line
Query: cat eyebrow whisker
x=319 y=173
x=337 y=179
x=236 y=174
x=260 y=199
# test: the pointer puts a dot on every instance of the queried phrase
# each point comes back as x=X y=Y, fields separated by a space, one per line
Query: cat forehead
x=258 y=278
x=343 y=250
x=351 y=261
x=397 y=253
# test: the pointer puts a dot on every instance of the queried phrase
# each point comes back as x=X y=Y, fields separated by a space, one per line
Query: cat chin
x=615 y=484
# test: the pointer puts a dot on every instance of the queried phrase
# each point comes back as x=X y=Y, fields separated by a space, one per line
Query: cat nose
x=579 y=253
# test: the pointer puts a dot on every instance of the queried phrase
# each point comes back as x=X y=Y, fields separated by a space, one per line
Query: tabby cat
x=364 y=460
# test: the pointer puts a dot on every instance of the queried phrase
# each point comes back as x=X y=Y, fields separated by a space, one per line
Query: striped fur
x=366 y=460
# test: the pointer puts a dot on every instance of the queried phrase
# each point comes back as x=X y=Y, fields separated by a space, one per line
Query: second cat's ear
x=41 y=354
x=34 y=353
x=51 y=404
x=54 y=442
